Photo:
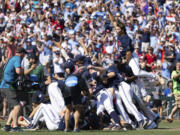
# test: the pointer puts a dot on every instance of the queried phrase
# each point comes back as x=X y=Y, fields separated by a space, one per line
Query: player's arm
x=110 y=14
x=131 y=78
x=64 y=54
x=100 y=69
x=113 y=20
x=111 y=74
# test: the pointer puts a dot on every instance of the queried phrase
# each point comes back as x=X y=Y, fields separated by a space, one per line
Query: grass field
x=164 y=129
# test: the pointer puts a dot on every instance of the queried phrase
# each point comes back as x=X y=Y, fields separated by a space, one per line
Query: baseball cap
x=69 y=64
x=57 y=52
x=31 y=55
x=21 y=50
x=117 y=57
x=79 y=58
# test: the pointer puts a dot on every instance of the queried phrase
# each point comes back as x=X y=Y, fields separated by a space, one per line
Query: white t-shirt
x=57 y=66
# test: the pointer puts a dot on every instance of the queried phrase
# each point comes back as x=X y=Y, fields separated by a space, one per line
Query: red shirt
x=150 y=58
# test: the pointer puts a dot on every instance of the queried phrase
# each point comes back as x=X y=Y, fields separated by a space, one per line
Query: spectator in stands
x=150 y=58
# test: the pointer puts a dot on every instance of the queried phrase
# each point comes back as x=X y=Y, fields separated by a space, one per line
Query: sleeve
x=17 y=63
x=112 y=69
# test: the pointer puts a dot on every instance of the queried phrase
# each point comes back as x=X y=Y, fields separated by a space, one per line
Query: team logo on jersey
x=71 y=81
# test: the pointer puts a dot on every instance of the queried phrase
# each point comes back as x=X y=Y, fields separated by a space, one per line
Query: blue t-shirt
x=10 y=74
x=167 y=92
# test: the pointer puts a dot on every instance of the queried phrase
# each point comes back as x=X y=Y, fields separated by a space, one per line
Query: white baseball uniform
x=121 y=109
x=126 y=95
x=104 y=102
x=47 y=113
x=56 y=98
x=138 y=87
x=50 y=113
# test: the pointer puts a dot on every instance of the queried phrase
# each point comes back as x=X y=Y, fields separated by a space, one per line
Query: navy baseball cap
x=117 y=57
x=69 y=64
x=57 y=52
x=31 y=56
x=79 y=58
x=21 y=50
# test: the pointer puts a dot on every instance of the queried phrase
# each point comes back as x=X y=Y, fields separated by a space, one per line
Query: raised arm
x=64 y=54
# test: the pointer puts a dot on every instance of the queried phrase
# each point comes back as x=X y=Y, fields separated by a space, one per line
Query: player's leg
x=126 y=96
x=51 y=117
x=56 y=98
x=121 y=109
x=106 y=100
x=134 y=64
x=37 y=116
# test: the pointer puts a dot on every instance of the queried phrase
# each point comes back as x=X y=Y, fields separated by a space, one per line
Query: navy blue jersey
x=99 y=84
x=116 y=80
x=126 y=70
x=125 y=43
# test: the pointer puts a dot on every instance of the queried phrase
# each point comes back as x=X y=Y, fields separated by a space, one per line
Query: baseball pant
x=104 y=102
x=56 y=98
x=121 y=109
x=47 y=113
x=126 y=95
x=134 y=64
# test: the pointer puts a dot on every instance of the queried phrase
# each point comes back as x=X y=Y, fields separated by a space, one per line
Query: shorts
x=177 y=99
x=157 y=103
x=73 y=100
x=13 y=97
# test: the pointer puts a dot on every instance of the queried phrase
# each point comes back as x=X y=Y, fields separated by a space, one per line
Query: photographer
x=34 y=74
x=176 y=91
x=8 y=86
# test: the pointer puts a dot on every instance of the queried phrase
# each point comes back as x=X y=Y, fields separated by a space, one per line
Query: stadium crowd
x=88 y=64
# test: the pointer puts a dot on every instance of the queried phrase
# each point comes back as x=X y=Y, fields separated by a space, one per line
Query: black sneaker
x=16 y=129
x=6 y=128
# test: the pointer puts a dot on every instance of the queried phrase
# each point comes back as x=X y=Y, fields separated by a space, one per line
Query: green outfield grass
x=164 y=129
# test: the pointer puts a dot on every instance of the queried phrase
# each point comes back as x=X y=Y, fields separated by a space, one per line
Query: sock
x=115 y=117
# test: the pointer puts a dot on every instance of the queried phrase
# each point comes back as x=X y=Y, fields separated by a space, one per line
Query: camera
x=24 y=84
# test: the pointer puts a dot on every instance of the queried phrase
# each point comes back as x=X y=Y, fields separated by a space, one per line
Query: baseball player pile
x=88 y=53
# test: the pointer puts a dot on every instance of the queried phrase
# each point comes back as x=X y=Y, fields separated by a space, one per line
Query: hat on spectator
x=136 y=46
x=69 y=64
x=79 y=58
x=31 y=25
x=57 y=52
x=33 y=43
x=109 y=49
x=150 y=48
x=71 y=32
x=31 y=56
x=21 y=50
x=22 y=22
x=117 y=57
